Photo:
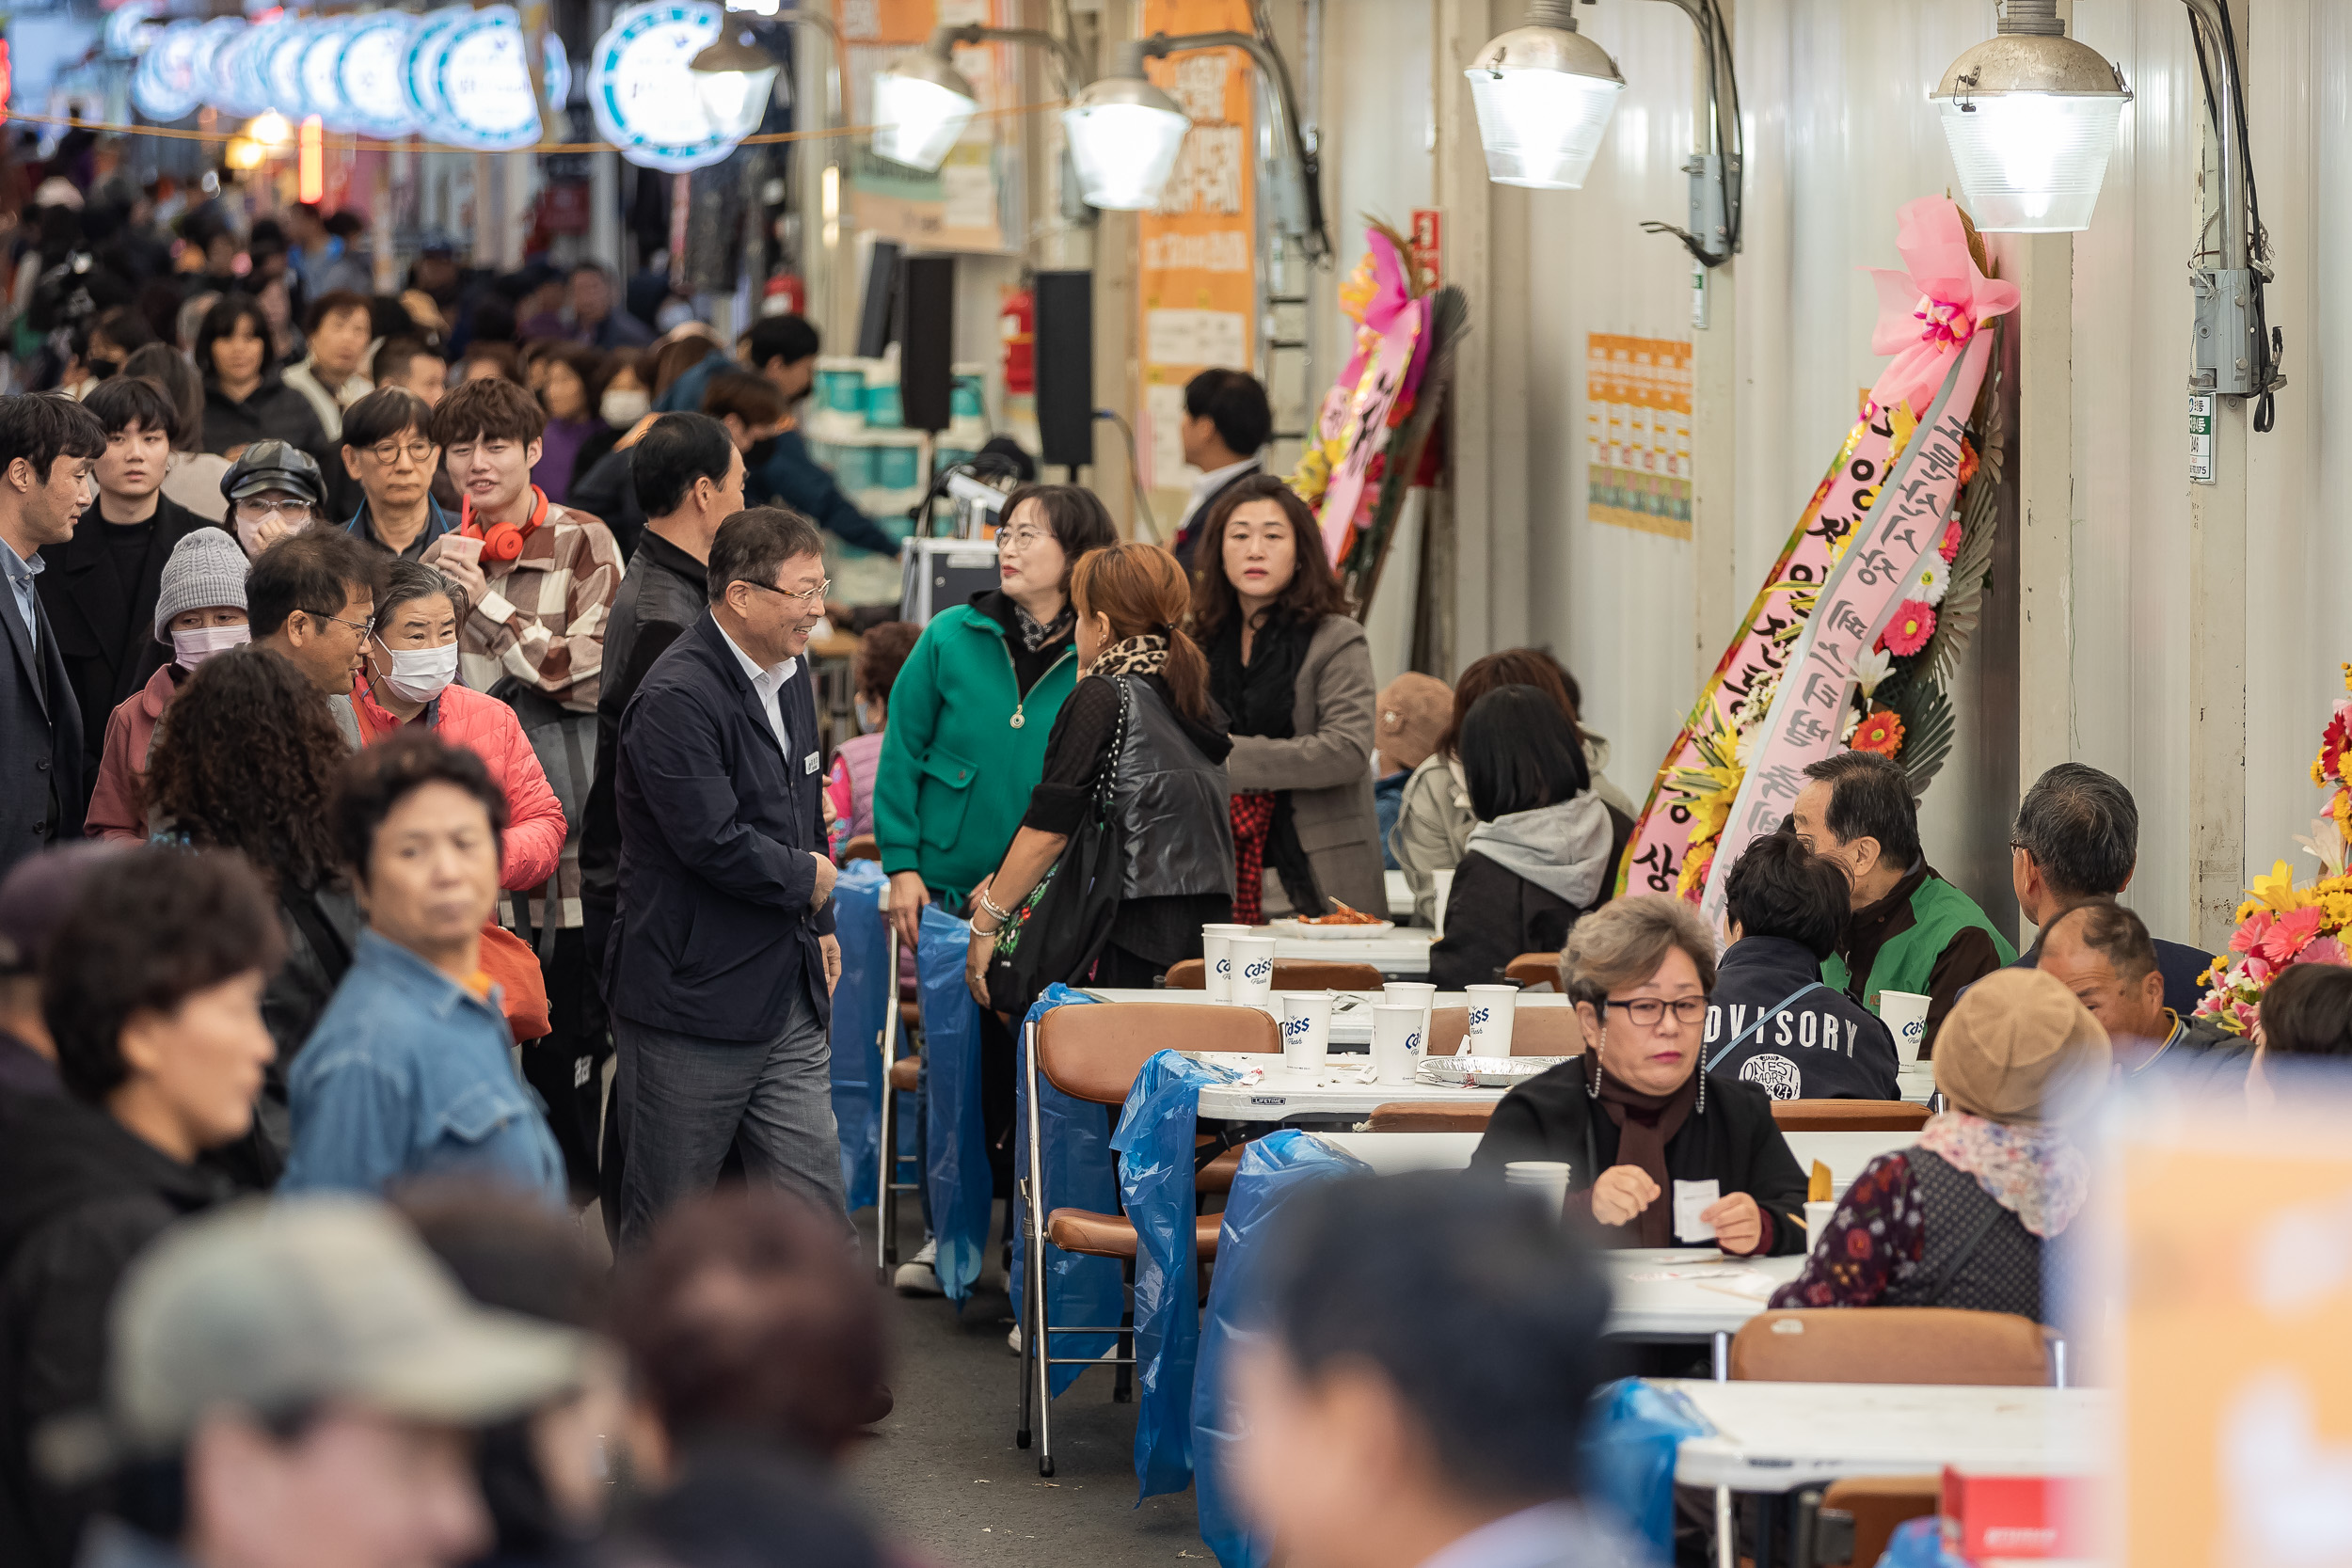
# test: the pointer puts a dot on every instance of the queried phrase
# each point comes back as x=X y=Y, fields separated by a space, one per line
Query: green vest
x=1939 y=912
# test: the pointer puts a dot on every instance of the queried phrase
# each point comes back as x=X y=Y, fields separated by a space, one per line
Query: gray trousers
x=685 y=1098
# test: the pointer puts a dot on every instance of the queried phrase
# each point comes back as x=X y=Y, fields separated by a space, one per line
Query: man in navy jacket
x=722 y=961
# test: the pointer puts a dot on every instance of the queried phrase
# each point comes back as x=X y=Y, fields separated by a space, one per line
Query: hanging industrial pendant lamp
x=2031 y=116
x=1124 y=135
x=921 y=106
x=1544 y=93
x=734 y=78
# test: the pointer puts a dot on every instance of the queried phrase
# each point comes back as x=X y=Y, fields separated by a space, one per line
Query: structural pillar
x=2042 y=267
x=1466 y=521
x=1715 y=603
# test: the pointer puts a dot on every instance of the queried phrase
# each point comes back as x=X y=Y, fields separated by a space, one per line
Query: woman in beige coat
x=1294 y=674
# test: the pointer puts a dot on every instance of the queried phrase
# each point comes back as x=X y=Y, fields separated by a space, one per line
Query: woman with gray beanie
x=1959 y=1218
x=199 y=611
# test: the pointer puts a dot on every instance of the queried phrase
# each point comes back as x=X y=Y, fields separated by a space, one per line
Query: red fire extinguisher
x=785 y=294
x=1017 y=323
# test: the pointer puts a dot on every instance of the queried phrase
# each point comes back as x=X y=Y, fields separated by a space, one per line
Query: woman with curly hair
x=245 y=760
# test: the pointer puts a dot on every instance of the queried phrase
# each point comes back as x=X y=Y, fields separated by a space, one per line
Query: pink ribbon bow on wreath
x=1930 y=312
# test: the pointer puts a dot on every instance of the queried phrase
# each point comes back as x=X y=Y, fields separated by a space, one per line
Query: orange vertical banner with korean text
x=1196 y=278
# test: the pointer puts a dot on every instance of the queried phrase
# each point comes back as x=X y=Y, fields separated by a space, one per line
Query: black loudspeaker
x=876 y=317
x=1065 y=367
x=927 y=339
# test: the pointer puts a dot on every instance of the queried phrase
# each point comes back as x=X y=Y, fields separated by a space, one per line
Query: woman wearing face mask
x=199 y=612
x=618 y=392
x=411 y=679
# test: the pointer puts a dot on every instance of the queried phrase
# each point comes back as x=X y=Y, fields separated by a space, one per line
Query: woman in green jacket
x=973 y=704
x=965 y=747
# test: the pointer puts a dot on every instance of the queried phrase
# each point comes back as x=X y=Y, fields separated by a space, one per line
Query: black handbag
x=1060 y=927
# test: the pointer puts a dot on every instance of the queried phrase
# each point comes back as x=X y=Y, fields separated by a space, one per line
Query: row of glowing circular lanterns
x=459 y=76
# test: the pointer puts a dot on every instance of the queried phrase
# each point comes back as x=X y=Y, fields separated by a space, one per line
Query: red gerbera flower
x=1882 y=733
x=1950 y=547
x=1909 y=631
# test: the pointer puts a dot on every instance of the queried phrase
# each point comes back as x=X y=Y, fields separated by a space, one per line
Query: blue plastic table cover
x=1272 y=1168
x=1628 y=1455
x=1155 y=1144
x=860 y=1002
x=1075 y=1147
x=956 y=1174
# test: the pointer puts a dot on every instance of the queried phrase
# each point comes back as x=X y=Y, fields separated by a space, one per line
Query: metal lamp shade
x=1125 y=137
x=2032 y=121
x=1544 y=96
x=921 y=106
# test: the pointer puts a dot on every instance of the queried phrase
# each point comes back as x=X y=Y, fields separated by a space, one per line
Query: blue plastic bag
x=1154 y=1142
x=1919 y=1543
x=963 y=1196
x=858 y=1007
x=1629 y=1449
x=1271 y=1170
x=1075 y=1143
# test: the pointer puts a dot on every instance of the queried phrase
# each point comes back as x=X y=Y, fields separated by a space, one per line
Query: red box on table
x=1994 y=1517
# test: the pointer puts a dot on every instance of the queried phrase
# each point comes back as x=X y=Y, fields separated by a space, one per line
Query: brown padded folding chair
x=1534 y=1031
x=1094 y=1054
x=1892 y=1344
x=1288 y=975
x=864 y=847
x=1849 y=1115
x=1877 y=1506
x=1428 y=1116
x=1535 y=971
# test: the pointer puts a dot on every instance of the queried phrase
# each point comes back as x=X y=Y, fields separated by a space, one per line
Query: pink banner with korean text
x=1848 y=608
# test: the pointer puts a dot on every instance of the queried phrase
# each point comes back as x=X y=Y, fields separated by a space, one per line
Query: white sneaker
x=920 y=1277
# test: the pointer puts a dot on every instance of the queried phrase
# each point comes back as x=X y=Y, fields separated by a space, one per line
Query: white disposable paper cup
x=1252 y=960
x=1444 y=880
x=1413 y=994
x=1306 y=1030
x=1398 y=1034
x=1817 y=1221
x=1217 y=960
x=1491 y=1011
x=1905 y=1014
x=1549 y=1176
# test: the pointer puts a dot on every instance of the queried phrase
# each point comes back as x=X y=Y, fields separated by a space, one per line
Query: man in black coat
x=47 y=444
x=151 y=987
x=722 y=963
x=101 y=586
x=1227 y=422
x=1770 y=1020
x=688 y=480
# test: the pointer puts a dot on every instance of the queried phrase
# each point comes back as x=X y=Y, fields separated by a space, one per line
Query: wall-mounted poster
x=1196 y=283
x=1637 y=434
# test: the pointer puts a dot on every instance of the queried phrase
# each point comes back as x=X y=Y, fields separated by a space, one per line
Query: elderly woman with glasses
x=1637 y=1116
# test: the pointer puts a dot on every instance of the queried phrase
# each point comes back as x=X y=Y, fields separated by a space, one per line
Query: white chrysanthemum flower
x=1934 y=582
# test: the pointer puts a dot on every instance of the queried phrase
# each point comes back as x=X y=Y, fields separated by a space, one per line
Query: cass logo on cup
x=1413 y=1042
x=1257 y=969
x=1291 y=1026
x=1478 y=1017
x=1915 y=1031
x=1224 y=966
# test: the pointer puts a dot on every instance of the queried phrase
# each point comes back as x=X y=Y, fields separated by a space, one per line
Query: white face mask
x=421 y=674
x=193 y=647
x=622 y=407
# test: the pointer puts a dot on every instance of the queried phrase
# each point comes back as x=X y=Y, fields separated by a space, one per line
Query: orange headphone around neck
x=503 y=540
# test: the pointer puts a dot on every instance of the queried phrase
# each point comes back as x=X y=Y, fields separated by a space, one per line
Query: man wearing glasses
x=723 y=958
x=389 y=449
x=311 y=597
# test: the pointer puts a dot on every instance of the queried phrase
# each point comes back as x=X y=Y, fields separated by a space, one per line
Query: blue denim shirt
x=407 y=1075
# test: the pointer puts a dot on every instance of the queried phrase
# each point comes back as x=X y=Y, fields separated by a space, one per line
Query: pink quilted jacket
x=534 y=818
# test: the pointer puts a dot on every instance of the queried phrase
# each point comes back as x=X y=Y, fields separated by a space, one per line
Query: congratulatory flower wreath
x=2281 y=925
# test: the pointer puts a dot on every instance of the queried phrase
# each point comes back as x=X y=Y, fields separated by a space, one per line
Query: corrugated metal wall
x=1840 y=135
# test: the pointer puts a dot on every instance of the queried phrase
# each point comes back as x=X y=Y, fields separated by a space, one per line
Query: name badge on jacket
x=808 y=763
